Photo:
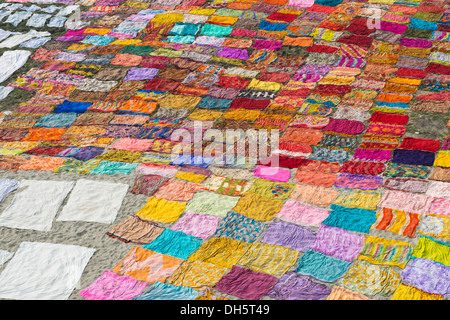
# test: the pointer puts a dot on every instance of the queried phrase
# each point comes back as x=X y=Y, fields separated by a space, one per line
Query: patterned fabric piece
x=397 y=221
x=289 y=235
x=427 y=275
x=292 y=286
x=226 y=186
x=321 y=266
x=338 y=243
x=239 y=227
x=340 y=293
x=132 y=229
x=197 y=275
x=222 y=252
x=246 y=284
x=358 y=199
x=162 y=291
x=258 y=207
x=370 y=279
x=386 y=252
x=354 y=181
x=110 y=286
x=146 y=265
x=197 y=224
x=270 y=259
x=435 y=226
x=147 y=184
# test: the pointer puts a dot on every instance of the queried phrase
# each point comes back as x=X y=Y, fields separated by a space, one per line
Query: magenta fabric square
x=141 y=74
x=417 y=43
x=297 y=212
x=344 y=126
x=272 y=174
x=289 y=235
x=110 y=286
x=338 y=243
x=245 y=283
x=372 y=155
x=232 y=53
x=267 y=44
x=393 y=27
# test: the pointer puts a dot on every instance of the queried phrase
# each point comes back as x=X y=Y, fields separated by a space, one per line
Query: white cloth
x=36 y=205
x=5 y=91
x=44 y=271
x=10 y=61
x=20 y=38
x=94 y=201
x=6 y=186
x=439 y=189
x=5 y=256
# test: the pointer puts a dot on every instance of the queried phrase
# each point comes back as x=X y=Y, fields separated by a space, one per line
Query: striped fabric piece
x=350 y=50
x=397 y=221
x=386 y=252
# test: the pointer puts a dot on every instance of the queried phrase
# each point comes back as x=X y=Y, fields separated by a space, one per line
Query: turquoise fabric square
x=174 y=243
x=113 y=167
x=162 y=291
x=215 y=30
x=322 y=267
x=57 y=120
x=185 y=29
x=351 y=219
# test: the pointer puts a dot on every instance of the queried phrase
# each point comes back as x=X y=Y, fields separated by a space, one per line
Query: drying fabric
x=94 y=201
x=239 y=227
x=427 y=275
x=354 y=181
x=112 y=167
x=338 y=243
x=438 y=189
x=322 y=267
x=197 y=224
x=436 y=226
x=147 y=184
x=132 y=229
x=51 y=271
x=397 y=221
x=161 y=210
x=245 y=283
x=406 y=171
x=7 y=186
x=222 y=252
x=110 y=286
x=387 y=252
x=197 y=275
x=413 y=157
x=405 y=201
x=351 y=219
x=270 y=259
x=429 y=248
x=370 y=279
x=296 y=212
x=340 y=293
x=5 y=256
x=10 y=61
x=404 y=292
x=211 y=203
x=146 y=265
x=36 y=206
x=289 y=235
x=406 y=184
x=358 y=199
x=162 y=291
x=258 y=207
x=174 y=243
x=292 y=286
x=317 y=196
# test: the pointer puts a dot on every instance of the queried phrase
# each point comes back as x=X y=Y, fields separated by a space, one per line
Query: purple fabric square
x=293 y=286
x=413 y=157
x=75 y=39
x=289 y=235
x=338 y=243
x=141 y=74
x=245 y=283
x=232 y=53
x=428 y=276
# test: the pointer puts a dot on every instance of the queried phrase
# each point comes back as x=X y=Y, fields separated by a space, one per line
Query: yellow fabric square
x=222 y=252
x=404 y=292
x=264 y=85
x=190 y=176
x=197 y=275
x=161 y=210
x=258 y=207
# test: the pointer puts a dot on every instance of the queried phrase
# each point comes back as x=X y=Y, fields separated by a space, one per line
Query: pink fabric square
x=196 y=224
x=132 y=144
x=406 y=201
x=300 y=213
x=110 y=286
x=157 y=169
x=272 y=174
